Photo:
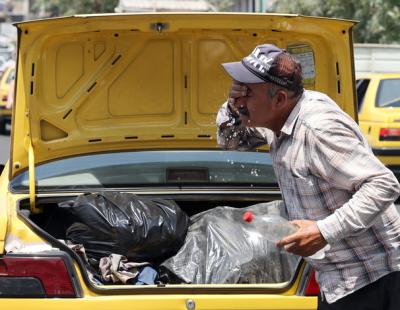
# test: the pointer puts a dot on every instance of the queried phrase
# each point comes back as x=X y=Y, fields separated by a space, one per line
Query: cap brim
x=240 y=73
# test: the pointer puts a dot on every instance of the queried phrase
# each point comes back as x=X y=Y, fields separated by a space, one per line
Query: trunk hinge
x=32 y=183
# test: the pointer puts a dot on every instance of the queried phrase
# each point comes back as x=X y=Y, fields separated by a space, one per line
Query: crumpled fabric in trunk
x=117 y=269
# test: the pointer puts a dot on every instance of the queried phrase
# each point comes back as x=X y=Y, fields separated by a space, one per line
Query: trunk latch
x=159 y=27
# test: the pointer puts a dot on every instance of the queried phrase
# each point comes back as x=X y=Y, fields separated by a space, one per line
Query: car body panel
x=373 y=118
x=82 y=80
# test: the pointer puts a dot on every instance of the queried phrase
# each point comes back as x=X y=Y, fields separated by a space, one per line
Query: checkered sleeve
x=341 y=156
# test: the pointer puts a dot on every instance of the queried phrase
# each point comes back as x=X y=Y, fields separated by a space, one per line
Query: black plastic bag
x=221 y=248
x=139 y=228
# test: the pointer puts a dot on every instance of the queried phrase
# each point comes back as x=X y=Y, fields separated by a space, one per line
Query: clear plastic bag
x=220 y=248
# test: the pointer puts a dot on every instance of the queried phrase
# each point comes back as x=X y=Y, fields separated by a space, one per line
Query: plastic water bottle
x=274 y=228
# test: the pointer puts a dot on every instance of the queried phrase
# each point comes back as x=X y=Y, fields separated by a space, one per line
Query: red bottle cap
x=248 y=216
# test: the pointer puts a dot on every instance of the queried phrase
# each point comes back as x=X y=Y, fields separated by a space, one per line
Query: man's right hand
x=232 y=117
x=238 y=90
x=235 y=104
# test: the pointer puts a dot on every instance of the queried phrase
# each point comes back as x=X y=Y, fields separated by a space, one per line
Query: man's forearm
x=360 y=212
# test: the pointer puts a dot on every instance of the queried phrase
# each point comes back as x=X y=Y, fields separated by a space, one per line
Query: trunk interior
x=53 y=222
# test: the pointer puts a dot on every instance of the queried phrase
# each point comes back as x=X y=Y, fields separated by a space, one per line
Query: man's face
x=259 y=105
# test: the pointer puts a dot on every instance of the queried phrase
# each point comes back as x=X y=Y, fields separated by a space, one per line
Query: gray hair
x=274 y=89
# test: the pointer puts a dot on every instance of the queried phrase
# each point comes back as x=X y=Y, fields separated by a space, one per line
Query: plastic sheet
x=221 y=248
x=139 y=228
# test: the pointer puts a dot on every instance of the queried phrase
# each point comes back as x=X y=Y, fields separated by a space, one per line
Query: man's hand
x=306 y=241
x=236 y=95
x=236 y=102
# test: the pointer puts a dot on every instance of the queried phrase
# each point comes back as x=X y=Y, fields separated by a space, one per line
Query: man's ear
x=281 y=98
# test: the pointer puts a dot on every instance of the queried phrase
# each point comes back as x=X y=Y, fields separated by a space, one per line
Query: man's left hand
x=306 y=241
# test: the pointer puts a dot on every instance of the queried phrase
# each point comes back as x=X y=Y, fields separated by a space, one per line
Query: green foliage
x=70 y=7
x=378 y=19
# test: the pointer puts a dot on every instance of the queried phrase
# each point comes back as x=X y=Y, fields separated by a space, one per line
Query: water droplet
x=254 y=172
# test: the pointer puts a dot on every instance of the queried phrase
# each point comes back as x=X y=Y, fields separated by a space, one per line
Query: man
x=334 y=188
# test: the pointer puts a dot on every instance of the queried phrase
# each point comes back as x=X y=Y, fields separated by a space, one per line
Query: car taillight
x=389 y=134
x=35 y=277
x=312 y=287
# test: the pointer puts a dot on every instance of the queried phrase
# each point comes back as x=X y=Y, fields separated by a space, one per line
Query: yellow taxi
x=6 y=88
x=127 y=104
x=379 y=115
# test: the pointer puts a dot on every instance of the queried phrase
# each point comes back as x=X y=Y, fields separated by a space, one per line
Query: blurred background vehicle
x=377 y=69
x=6 y=96
x=379 y=115
x=7 y=77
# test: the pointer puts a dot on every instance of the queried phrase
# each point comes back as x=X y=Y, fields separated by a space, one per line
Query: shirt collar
x=287 y=128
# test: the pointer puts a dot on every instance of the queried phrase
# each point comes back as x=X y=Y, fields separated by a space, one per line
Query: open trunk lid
x=115 y=82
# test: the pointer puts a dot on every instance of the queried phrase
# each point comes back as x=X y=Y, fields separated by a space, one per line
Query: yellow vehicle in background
x=6 y=100
x=379 y=115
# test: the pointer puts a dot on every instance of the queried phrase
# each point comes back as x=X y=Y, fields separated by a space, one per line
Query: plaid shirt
x=327 y=173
